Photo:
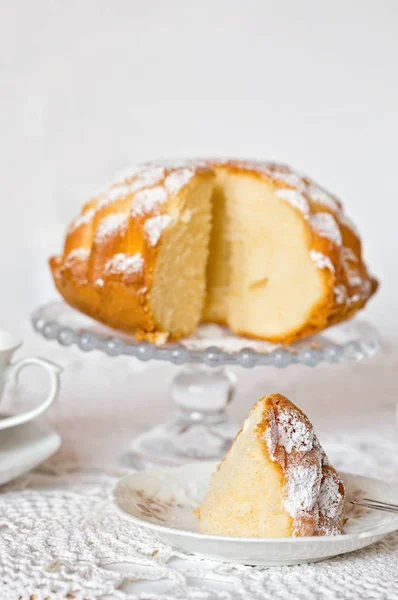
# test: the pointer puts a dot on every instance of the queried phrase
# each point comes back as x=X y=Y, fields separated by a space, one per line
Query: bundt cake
x=276 y=479
x=251 y=245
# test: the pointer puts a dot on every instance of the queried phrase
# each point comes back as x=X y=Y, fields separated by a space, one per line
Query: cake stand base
x=181 y=441
x=200 y=430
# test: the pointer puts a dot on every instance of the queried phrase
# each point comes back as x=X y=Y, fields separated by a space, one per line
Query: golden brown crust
x=312 y=492
x=305 y=453
x=259 y=432
x=105 y=283
x=117 y=292
x=347 y=285
x=261 y=427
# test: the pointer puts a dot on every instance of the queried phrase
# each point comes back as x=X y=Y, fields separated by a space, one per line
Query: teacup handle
x=13 y=371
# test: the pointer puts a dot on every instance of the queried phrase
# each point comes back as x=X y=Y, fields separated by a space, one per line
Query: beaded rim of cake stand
x=363 y=346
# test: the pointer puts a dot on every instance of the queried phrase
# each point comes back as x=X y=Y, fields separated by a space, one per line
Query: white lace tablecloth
x=59 y=536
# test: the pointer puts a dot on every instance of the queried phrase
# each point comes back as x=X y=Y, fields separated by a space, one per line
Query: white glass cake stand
x=204 y=386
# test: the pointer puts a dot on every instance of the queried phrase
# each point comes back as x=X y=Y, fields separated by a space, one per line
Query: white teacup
x=10 y=371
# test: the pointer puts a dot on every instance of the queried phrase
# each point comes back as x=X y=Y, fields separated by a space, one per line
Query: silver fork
x=376 y=504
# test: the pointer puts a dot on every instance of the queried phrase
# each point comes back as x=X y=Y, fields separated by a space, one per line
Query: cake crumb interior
x=241 y=251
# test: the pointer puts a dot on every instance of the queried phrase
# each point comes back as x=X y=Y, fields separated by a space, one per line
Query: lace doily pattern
x=60 y=536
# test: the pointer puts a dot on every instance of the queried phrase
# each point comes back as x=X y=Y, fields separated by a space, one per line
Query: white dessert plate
x=163 y=500
x=24 y=447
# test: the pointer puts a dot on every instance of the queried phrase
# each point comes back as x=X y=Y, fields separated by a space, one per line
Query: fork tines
x=376 y=504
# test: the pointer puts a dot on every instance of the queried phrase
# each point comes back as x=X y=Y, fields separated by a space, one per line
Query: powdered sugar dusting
x=340 y=293
x=144 y=177
x=178 y=179
x=113 y=194
x=312 y=489
x=330 y=498
x=354 y=298
x=153 y=228
x=289 y=178
x=320 y=196
x=145 y=201
x=327 y=527
x=354 y=279
x=326 y=225
x=345 y=220
x=83 y=219
x=125 y=264
x=181 y=163
x=244 y=164
x=348 y=254
x=128 y=173
x=76 y=255
x=148 y=178
x=301 y=488
x=366 y=287
x=295 y=198
x=119 y=192
x=322 y=261
x=294 y=433
x=352 y=273
x=150 y=184
x=110 y=224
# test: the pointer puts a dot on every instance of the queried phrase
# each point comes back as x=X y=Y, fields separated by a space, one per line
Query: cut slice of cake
x=136 y=258
x=251 y=245
x=276 y=480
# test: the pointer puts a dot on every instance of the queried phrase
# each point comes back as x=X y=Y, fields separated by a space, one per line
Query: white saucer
x=24 y=447
x=163 y=500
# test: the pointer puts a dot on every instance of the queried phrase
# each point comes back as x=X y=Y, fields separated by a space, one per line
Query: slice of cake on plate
x=276 y=479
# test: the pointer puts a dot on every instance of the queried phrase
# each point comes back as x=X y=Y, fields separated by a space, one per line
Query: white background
x=90 y=86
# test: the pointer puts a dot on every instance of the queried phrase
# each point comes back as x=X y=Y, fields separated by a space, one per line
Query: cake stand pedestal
x=202 y=389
